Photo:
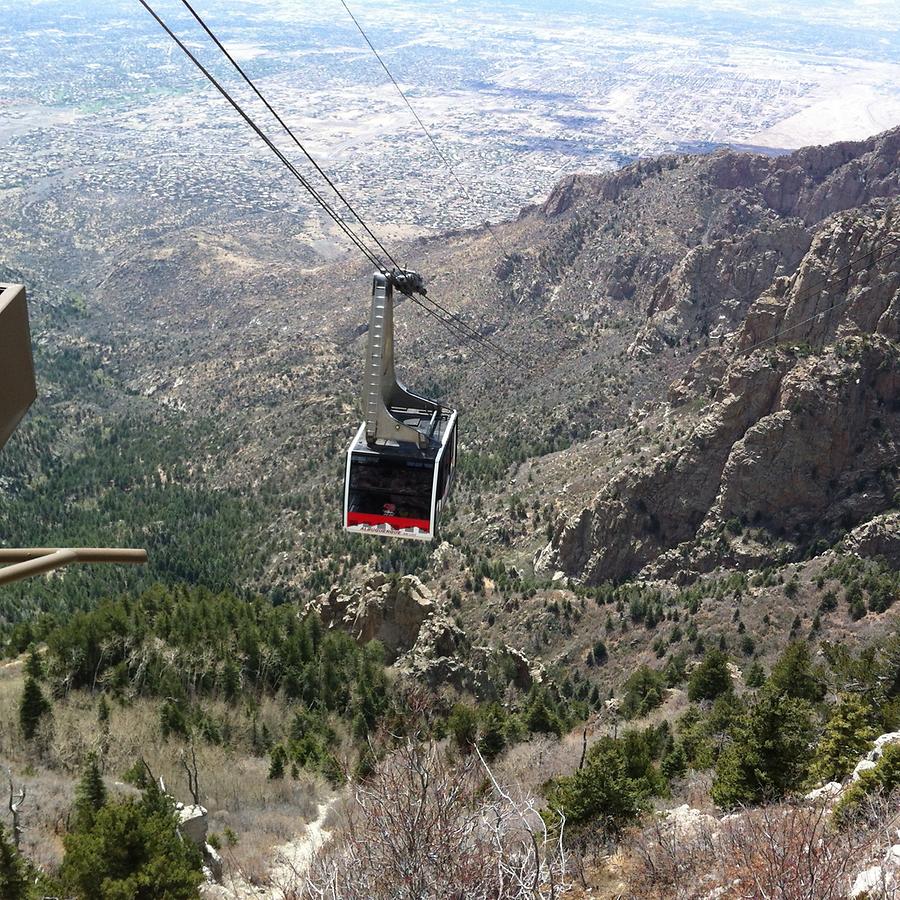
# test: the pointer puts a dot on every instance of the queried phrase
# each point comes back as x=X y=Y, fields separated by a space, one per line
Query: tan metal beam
x=17 y=392
x=31 y=561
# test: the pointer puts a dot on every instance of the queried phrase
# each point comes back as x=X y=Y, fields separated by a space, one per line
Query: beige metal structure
x=17 y=386
x=17 y=393
x=38 y=560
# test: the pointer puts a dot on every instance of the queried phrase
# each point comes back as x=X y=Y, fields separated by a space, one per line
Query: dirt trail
x=289 y=863
x=293 y=859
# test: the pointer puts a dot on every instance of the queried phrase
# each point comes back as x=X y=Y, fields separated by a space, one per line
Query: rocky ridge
x=800 y=433
x=421 y=637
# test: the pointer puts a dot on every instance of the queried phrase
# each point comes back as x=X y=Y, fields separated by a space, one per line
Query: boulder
x=447 y=556
x=870 y=760
x=873 y=883
x=892 y=737
x=892 y=857
x=521 y=671
x=826 y=793
x=864 y=765
x=443 y=655
x=545 y=559
x=437 y=656
x=212 y=864
x=877 y=539
x=193 y=823
x=391 y=610
x=688 y=824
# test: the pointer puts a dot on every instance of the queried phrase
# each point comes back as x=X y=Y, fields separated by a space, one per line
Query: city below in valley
x=108 y=135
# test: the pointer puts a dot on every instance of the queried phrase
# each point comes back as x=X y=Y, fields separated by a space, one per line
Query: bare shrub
x=428 y=825
x=44 y=816
x=786 y=851
x=534 y=762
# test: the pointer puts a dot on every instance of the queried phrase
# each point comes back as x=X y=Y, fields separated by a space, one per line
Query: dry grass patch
x=234 y=784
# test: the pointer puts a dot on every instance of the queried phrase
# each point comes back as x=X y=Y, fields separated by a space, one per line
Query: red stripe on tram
x=356 y=518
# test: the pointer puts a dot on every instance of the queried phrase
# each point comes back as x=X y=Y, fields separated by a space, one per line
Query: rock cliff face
x=800 y=436
x=878 y=538
x=689 y=243
x=422 y=638
x=388 y=610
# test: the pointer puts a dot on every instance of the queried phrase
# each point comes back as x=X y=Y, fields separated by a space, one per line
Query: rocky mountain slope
x=602 y=296
x=801 y=432
x=633 y=421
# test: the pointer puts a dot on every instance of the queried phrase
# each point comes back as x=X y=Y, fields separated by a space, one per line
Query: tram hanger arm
x=382 y=392
x=21 y=563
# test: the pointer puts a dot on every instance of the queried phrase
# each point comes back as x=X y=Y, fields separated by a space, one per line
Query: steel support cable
x=269 y=143
x=488 y=343
x=500 y=244
x=816 y=289
x=480 y=347
x=467 y=330
x=472 y=340
x=503 y=248
x=472 y=336
x=425 y=130
x=287 y=129
x=239 y=69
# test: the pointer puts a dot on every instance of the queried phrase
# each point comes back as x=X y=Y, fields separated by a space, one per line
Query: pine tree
x=172 y=719
x=462 y=723
x=846 y=737
x=13 y=876
x=600 y=798
x=32 y=708
x=132 y=850
x=711 y=678
x=769 y=752
x=34 y=666
x=231 y=680
x=90 y=795
x=756 y=675
x=103 y=713
x=256 y=746
x=492 y=739
x=366 y=711
x=276 y=766
x=794 y=674
x=539 y=716
x=674 y=763
x=644 y=691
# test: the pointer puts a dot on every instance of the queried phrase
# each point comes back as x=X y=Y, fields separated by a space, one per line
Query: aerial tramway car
x=400 y=463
